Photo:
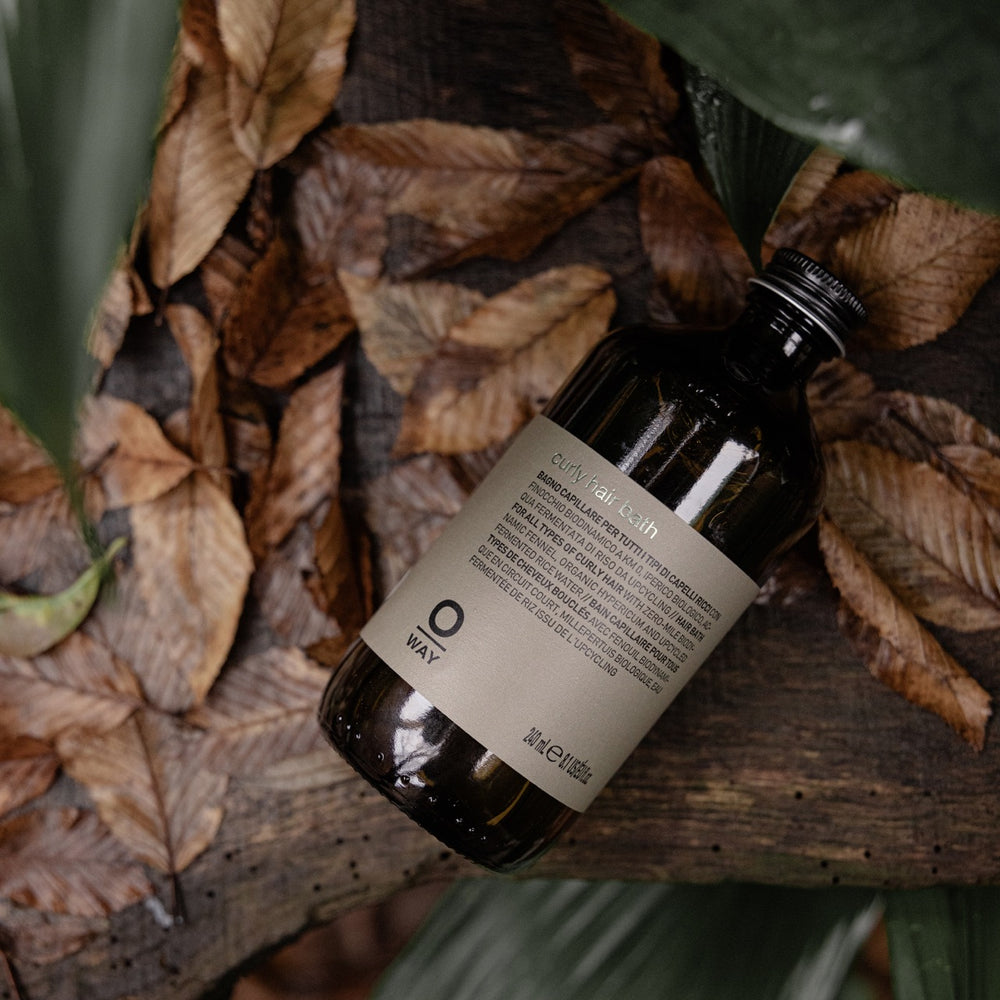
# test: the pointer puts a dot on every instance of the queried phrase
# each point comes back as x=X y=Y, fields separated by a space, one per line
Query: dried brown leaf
x=917 y=266
x=501 y=363
x=939 y=432
x=824 y=202
x=339 y=206
x=27 y=769
x=249 y=435
x=44 y=938
x=305 y=472
x=288 y=589
x=843 y=401
x=811 y=180
x=40 y=543
x=223 y=273
x=287 y=60
x=406 y=509
x=924 y=537
x=619 y=66
x=261 y=711
x=845 y=404
x=147 y=780
x=66 y=861
x=198 y=341
x=896 y=648
x=26 y=471
x=308 y=585
x=80 y=682
x=470 y=190
x=129 y=452
x=286 y=319
x=40 y=533
x=199 y=42
x=124 y=297
x=701 y=269
x=342 y=585
x=480 y=191
x=199 y=178
x=186 y=587
x=402 y=325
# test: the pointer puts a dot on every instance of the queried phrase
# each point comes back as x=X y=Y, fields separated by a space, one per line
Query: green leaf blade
x=499 y=939
x=906 y=88
x=80 y=89
x=752 y=162
x=943 y=943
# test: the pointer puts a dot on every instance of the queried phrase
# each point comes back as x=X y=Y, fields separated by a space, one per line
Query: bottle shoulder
x=686 y=368
x=736 y=459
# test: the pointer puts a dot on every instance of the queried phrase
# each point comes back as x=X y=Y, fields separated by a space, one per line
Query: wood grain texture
x=782 y=762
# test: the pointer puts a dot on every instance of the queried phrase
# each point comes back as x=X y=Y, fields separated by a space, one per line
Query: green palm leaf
x=904 y=87
x=571 y=940
x=80 y=88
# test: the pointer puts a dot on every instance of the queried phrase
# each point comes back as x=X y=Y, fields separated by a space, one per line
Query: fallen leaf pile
x=229 y=494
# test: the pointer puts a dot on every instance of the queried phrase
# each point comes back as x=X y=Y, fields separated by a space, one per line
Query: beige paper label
x=559 y=613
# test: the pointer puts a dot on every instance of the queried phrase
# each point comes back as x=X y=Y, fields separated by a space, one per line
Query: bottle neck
x=775 y=343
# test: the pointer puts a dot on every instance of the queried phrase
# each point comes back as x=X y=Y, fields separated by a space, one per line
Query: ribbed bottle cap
x=811 y=287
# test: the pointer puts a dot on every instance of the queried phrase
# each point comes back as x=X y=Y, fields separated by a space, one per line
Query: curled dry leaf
x=123 y=298
x=128 y=452
x=810 y=183
x=41 y=540
x=198 y=42
x=66 y=861
x=945 y=568
x=917 y=266
x=896 y=648
x=287 y=60
x=80 y=682
x=846 y=404
x=39 y=531
x=843 y=401
x=224 y=272
x=26 y=472
x=406 y=509
x=935 y=430
x=261 y=711
x=402 y=324
x=619 y=67
x=501 y=363
x=288 y=588
x=700 y=266
x=196 y=337
x=470 y=190
x=27 y=769
x=342 y=585
x=480 y=191
x=339 y=208
x=305 y=581
x=147 y=780
x=199 y=178
x=43 y=938
x=285 y=319
x=186 y=585
x=305 y=471
x=825 y=201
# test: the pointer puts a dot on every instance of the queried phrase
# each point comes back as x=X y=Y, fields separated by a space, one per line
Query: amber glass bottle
x=592 y=571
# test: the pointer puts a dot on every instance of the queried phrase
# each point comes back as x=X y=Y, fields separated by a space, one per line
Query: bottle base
x=433 y=771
